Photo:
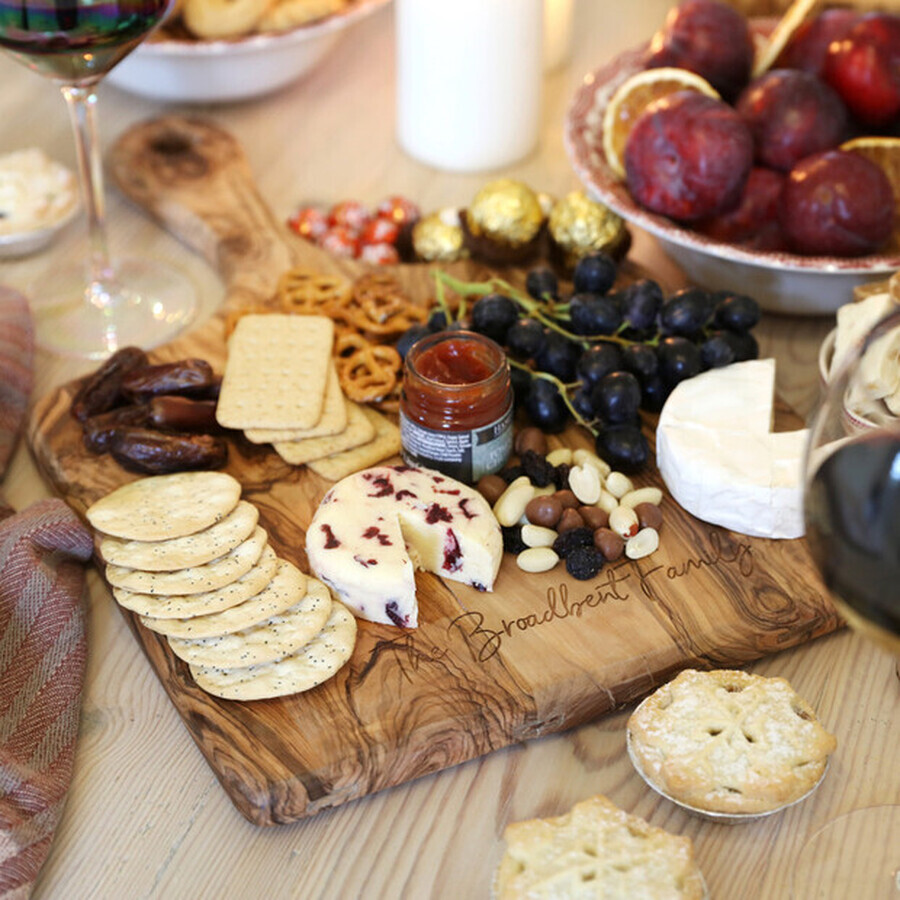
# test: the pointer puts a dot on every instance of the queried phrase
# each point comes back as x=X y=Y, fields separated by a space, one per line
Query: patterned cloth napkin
x=42 y=637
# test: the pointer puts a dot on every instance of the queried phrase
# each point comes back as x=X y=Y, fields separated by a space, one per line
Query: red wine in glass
x=94 y=309
x=853 y=529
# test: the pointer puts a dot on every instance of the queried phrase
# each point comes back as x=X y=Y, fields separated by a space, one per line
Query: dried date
x=187 y=376
x=102 y=390
x=183 y=414
x=155 y=453
x=99 y=430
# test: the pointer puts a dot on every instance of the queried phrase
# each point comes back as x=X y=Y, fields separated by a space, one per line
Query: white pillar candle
x=469 y=78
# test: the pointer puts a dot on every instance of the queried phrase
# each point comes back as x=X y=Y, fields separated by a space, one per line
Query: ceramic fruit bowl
x=781 y=282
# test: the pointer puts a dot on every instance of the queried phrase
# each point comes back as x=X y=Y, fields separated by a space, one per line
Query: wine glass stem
x=82 y=105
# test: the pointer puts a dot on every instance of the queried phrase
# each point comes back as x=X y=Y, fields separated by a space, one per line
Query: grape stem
x=532 y=307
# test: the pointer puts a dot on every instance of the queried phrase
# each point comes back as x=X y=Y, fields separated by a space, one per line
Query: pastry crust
x=729 y=742
x=596 y=850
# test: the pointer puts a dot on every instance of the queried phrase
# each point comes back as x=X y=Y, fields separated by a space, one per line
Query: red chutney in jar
x=456 y=406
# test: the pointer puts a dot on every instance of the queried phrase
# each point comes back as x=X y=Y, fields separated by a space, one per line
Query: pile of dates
x=152 y=418
x=764 y=166
x=602 y=353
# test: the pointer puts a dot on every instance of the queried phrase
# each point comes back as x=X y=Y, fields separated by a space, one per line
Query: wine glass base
x=146 y=304
x=855 y=855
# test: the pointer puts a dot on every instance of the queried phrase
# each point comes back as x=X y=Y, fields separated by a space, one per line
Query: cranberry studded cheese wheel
x=375 y=527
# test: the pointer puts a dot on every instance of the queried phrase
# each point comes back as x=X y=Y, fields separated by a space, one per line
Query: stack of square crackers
x=280 y=386
x=186 y=554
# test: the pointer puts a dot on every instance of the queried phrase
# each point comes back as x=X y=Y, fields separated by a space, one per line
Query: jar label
x=464 y=455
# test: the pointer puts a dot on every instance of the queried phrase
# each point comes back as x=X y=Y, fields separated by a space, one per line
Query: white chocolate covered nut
x=606 y=501
x=642 y=495
x=560 y=456
x=618 y=484
x=510 y=506
x=537 y=559
x=538 y=535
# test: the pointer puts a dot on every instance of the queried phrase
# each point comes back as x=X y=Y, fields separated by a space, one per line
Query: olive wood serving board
x=539 y=654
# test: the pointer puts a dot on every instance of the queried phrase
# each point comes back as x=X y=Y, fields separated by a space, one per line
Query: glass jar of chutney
x=456 y=405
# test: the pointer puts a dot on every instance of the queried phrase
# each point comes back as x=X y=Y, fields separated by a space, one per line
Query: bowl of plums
x=222 y=51
x=758 y=152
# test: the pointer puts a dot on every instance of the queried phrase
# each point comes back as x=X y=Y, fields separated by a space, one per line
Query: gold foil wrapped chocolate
x=506 y=211
x=579 y=226
x=438 y=237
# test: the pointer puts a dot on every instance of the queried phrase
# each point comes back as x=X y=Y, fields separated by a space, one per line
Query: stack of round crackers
x=186 y=554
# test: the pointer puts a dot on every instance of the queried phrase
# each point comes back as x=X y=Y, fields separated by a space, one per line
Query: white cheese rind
x=746 y=479
x=373 y=528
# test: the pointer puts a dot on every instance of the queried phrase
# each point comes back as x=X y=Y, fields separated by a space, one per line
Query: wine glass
x=852 y=507
x=92 y=309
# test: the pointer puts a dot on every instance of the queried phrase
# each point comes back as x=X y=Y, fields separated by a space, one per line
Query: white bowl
x=25 y=243
x=780 y=282
x=221 y=71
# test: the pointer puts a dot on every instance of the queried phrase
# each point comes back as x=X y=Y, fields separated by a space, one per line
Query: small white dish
x=26 y=243
x=222 y=71
x=710 y=815
x=780 y=282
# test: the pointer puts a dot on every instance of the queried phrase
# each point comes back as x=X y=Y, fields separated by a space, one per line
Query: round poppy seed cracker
x=165 y=506
x=181 y=552
x=274 y=638
x=194 y=579
x=179 y=606
x=303 y=670
x=285 y=590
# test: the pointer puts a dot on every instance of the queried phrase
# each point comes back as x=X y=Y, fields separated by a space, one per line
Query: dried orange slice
x=633 y=96
x=885 y=152
x=768 y=50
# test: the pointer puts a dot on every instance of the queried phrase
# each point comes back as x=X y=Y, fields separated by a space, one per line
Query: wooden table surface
x=146 y=817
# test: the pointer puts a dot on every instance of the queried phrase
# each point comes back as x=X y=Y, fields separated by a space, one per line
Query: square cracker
x=360 y=430
x=276 y=372
x=385 y=443
x=332 y=421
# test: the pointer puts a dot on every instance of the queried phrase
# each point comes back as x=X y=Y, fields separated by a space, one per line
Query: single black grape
x=438 y=320
x=409 y=337
x=744 y=345
x=640 y=360
x=595 y=274
x=493 y=315
x=687 y=312
x=542 y=283
x=624 y=447
x=678 y=359
x=521 y=384
x=640 y=303
x=583 y=403
x=525 y=338
x=654 y=393
x=736 y=312
x=717 y=351
x=558 y=356
x=594 y=314
x=545 y=407
x=617 y=398
x=598 y=360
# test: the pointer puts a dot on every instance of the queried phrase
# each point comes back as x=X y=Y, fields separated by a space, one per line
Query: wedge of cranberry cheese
x=375 y=527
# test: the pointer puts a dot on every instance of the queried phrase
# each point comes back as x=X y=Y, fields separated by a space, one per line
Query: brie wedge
x=721 y=461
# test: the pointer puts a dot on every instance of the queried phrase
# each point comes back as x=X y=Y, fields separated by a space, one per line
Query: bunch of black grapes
x=603 y=353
